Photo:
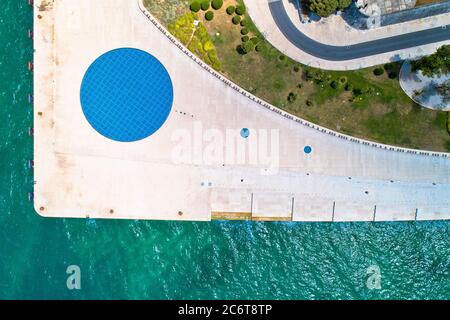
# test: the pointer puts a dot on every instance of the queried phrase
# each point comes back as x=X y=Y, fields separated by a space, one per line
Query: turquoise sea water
x=128 y=259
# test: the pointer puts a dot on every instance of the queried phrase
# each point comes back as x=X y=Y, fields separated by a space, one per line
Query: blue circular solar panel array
x=126 y=95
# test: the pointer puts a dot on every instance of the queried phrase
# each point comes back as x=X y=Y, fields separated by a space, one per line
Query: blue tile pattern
x=126 y=95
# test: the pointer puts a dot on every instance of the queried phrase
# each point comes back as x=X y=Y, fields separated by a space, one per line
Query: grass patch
x=448 y=122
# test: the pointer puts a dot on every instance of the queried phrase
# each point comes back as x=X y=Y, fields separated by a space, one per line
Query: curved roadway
x=360 y=50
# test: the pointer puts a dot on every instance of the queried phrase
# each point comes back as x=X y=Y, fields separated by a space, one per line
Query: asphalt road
x=360 y=50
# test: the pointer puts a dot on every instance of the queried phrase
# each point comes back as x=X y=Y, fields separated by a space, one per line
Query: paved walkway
x=189 y=168
x=334 y=31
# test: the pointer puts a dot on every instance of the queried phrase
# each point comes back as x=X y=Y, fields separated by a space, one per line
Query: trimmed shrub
x=378 y=71
x=436 y=64
x=208 y=46
x=209 y=15
x=309 y=103
x=309 y=75
x=240 y=49
x=244 y=31
x=392 y=75
x=296 y=68
x=357 y=92
x=231 y=10
x=260 y=47
x=349 y=87
x=245 y=47
x=291 y=97
x=388 y=66
x=245 y=38
x=236 y=20
x=240 y=10
x=205 y=5
x=282 y=57
x=334 y=84
x=217 y=4
x=344 y=4
x=195 y=6
x=343 y=80
x=243 y=23
x=323 y=8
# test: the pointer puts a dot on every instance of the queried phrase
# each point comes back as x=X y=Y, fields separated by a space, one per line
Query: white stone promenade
x=191 y=168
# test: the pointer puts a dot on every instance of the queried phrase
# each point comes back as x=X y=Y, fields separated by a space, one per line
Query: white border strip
x=275 y=109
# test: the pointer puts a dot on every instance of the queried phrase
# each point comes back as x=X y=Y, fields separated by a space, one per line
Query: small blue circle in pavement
x=307 y=149
x=126 y=95
x=245 y=133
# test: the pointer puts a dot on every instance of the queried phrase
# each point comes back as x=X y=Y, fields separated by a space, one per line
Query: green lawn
x=353 y=102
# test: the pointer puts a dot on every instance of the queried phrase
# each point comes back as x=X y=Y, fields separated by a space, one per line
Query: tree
x=245 y=47
x=349 y=87
x=443 y=90
x=217 y=4
x=240 y=10
x=378 y=71
x=260 y=47
x=205 y=5
x=230 y=10
x=344 y=4
x=195 y=6
x=323 y=8
x=392 y=75
x=209 y=15
x=436 y=64
x=334 y=84
x=291 y=97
